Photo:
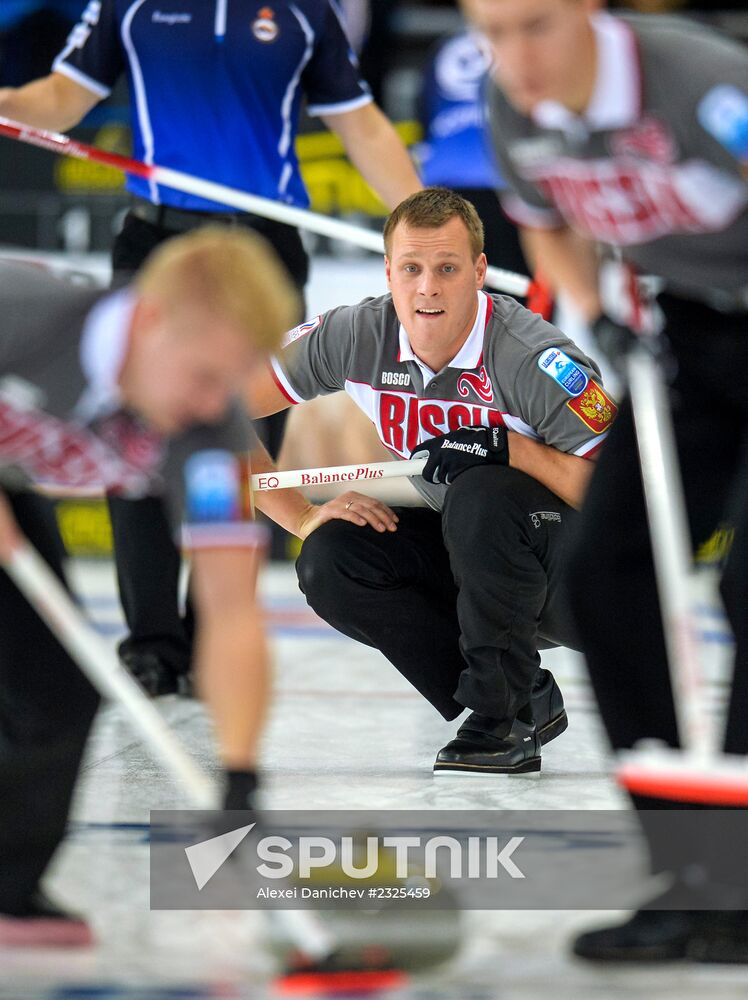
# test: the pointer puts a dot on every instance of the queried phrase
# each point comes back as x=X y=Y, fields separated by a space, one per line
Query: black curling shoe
x=478 y=750
x=154 y=675
x=713 y=936
x=548 y=707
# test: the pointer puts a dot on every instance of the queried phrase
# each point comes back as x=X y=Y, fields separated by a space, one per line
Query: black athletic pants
x=611 y=573
x=459 y=601
x=147 y=561
x=46 y=710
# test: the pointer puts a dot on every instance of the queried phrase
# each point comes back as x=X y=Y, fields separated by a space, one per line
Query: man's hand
x=614 y=339
x=451 y=454
x=354 y=507
x=10 y=534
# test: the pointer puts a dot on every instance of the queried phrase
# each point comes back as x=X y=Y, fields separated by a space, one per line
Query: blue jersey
x=456 y=151
x=216 y=85
x=12 y=12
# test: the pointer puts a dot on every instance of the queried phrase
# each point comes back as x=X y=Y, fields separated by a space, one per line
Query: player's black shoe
x=478 y=750
x=154 y=674
x=722 y=938
x=548 y=707
x=647 y=936
x=668 y=935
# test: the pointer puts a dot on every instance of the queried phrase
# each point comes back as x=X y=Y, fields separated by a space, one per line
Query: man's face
x=434 y=279
x=183 y=369
x=542 y=49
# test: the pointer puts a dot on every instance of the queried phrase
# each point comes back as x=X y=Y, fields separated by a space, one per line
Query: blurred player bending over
x=133 y=391
x=216 y=90
x=633 y=131
x=462 y=594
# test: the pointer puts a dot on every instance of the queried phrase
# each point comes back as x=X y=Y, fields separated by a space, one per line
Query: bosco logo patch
x=594 y=408
x=563 y=370
x=301 y=331
x=264 y=27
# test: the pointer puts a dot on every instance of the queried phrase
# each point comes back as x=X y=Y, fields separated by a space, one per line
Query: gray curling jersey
x=654 y=164
x=513 y=369
x=54 y=431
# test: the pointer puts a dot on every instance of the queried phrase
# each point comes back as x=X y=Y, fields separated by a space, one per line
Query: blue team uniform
x=456 y=151
x=216 y=85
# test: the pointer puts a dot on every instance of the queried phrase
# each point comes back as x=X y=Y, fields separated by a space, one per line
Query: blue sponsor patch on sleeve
x=563 y=370
x=723 y=113
x=213 y=488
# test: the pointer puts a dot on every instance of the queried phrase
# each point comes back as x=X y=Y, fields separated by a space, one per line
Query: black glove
x=614 y=339
x=240 y=790
x=453 y=453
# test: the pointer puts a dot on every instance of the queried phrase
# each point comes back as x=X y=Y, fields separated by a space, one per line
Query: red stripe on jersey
x=593 y=451
x=489 y=313
x=280 y=386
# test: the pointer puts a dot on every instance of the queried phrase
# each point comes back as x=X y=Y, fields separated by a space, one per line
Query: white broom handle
x=100 y=664
x=324 y=225
x=505 y=281
x=346 y=474
x=666 y=511
x=365 y=472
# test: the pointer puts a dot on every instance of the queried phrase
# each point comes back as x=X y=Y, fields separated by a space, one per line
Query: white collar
x=102 y=351
x=469 y=354
x=616 y=97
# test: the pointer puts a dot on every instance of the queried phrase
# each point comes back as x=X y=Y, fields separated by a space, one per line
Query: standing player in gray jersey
x=461 y=595
x=130 y=392
x=633 y=132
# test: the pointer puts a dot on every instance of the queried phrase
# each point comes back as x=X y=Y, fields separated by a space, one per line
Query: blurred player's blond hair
x=231 y=274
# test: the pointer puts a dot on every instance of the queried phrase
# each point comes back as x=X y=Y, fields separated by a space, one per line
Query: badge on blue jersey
x=213 y=487
x=563 y=370
x=723 y=112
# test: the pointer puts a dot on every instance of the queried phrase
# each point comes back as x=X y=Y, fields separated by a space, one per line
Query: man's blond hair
x=432 y=208
x=231 y=274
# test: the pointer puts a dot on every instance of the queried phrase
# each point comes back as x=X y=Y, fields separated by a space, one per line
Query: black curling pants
x=612 y=585
x=147 y=560
x=46 y=710
x=458 y=601
x=611 y=572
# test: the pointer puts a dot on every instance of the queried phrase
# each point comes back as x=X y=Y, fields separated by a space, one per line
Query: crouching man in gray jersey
x=131 y=392
x=462 y=594
x=632 y=132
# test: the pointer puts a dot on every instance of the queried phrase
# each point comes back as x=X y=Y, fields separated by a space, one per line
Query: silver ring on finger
x=349 y=504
